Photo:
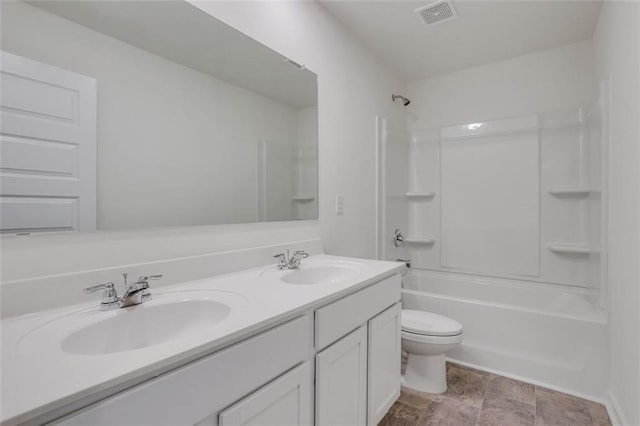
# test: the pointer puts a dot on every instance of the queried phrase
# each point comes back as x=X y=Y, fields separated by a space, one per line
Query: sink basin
x=143 y=326
x=317 y=273
x=168 y=317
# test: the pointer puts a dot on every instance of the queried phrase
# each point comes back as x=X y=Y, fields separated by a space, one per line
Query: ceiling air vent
x=436 y=13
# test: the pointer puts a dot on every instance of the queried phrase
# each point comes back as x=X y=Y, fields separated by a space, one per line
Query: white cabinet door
x=384 y=363
x=285 y=401
x=341 y=381
x=48 y=148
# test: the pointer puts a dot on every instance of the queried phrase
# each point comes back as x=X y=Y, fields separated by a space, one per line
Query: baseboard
x=599 y=400
x=615 y=411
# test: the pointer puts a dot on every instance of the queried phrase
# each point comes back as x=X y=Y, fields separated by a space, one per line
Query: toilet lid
x=429 y=324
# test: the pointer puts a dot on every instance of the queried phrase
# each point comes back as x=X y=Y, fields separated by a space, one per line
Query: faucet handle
x=145 y=278
x=398 y=238
x=303 y=254
x=106 y=286
x=282 y=260
x=110 y=294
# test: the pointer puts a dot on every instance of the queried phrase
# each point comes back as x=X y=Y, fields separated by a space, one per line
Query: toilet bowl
x=426 y=337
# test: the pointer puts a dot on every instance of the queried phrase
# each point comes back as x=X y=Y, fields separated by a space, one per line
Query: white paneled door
x=48 y=148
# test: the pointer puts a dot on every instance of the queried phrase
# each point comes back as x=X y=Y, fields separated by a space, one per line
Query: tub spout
x=405 y=261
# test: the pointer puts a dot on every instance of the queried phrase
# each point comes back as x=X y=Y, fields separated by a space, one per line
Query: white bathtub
x=540 y=333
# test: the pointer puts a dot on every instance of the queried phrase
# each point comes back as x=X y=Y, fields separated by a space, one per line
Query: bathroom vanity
x=317 y=345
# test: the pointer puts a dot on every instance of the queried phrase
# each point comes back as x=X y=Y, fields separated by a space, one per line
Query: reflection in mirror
x=148 y=114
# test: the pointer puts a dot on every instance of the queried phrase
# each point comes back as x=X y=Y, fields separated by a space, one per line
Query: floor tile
x=557 y=409
x=415 y=399
x=402 y=415
x=499 y=410
x=512 y=389
x=466 y=385
x=449 y=412
x=599 y=414
x=477 y=398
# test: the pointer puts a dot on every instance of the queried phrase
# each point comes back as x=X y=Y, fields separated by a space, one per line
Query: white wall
x=169 y=137
x=617 y=49
x=353 y=87
x=550 y=80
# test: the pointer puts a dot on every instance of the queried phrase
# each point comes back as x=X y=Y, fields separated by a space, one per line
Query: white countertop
x=38 y=378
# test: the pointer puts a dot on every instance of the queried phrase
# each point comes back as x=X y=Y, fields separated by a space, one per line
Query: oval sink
x=318 y=272
x=142 y=326
x=318 y=275
x=169 y=316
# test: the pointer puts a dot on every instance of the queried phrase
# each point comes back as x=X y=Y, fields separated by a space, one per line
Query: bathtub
x=543 y=334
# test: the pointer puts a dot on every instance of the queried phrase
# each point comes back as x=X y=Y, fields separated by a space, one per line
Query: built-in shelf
x=420 y=241
x=420 y=195
x=303 y=198
x=564 y=248
x=571 y=191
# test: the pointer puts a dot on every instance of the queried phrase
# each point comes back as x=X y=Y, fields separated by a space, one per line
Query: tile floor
x=477 y=398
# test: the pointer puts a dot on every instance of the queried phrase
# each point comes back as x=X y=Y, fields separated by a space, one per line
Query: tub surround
x=36 y=382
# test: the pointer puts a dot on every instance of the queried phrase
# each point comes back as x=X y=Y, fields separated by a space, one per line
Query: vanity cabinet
x=358 y=376
x=351 y=347
x=197 y=392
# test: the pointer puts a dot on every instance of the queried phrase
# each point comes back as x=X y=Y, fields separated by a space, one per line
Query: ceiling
x=484 y=32
x=177 y=31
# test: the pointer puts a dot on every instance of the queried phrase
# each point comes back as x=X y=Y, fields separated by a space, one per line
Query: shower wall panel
x=490 y=200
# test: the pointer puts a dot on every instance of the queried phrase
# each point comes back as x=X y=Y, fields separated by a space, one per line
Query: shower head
x=404 y=100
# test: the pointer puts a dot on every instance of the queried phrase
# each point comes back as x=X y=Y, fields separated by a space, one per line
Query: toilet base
x=426 y=373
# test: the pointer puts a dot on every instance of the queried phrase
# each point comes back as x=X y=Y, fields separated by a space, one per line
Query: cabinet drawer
x=339 y=318
x=203 y=388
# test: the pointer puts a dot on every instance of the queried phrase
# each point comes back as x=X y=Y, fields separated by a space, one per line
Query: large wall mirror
x=131 y=114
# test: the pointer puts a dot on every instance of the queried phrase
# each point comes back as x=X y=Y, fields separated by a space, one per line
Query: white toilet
x=426 y=337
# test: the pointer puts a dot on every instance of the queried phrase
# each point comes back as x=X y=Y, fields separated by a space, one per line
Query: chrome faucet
x=293 y=262
x=134 y=293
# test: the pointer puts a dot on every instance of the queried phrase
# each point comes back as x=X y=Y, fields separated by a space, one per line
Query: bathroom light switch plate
x=339 y=204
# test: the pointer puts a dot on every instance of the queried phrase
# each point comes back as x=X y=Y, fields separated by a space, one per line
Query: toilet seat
x=431 y=340
x=421 y=323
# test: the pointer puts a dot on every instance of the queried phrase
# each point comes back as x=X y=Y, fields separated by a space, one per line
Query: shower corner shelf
x=564 y=248
x=420 y=241
x=571 y=191
x=420 y=195
x=303 y=198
